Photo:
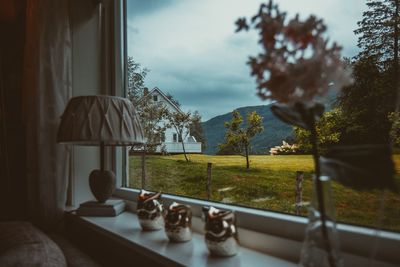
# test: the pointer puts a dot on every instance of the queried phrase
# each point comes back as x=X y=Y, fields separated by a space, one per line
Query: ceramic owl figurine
x=221 y=234
x=178 y=223
x=150 y=210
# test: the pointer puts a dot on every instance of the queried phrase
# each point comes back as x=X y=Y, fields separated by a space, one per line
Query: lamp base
x=102 y=184
x=110 y=208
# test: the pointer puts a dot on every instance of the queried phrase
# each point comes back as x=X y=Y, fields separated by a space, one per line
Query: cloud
x=193 y=53
x=139 y=8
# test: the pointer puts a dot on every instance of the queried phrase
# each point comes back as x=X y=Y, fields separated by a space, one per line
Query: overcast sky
x=193 y=52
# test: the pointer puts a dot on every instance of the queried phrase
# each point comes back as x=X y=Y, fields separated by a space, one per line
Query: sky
x=193 y=52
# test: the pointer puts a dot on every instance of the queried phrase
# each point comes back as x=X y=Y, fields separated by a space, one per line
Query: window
x=155 y=98
x=201 y=63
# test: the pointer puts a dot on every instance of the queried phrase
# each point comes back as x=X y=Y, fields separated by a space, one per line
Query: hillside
x=274 y=130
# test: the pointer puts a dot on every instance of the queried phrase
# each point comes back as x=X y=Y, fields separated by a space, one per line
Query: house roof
x=156 y=89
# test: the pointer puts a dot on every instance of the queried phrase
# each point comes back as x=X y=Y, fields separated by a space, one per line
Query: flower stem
x=320 y=193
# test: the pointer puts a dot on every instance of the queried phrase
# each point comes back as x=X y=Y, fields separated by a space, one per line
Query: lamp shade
x=95 y=120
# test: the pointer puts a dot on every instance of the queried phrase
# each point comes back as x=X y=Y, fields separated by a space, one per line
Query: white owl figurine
x=150 y=210
x=178 y=223
x=221 y=234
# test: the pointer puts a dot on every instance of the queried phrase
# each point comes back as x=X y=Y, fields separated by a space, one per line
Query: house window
x=202 y=65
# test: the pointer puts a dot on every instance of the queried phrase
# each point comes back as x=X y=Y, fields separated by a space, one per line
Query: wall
x=97 y=69
x=86 y=80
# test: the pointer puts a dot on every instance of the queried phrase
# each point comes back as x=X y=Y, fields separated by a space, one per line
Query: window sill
x=155 y=245
x=281 y=235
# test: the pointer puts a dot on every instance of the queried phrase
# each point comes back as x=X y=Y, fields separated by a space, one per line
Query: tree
x=135 y=79
x=366 y=103
x=379 y=38
x=379 y=32
x=196 y=130
x=328 y=131
x=231 y=145
x=238 y=139
x=153 y=118
x=394 y=118
x=181 y=122
x=151 y=114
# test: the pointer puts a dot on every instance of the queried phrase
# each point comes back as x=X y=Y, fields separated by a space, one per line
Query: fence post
x=143 y=169
x=299 y=182
x=208 y=182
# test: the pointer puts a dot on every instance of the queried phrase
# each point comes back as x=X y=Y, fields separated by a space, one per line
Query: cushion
x=22 y=244
x=74 y=256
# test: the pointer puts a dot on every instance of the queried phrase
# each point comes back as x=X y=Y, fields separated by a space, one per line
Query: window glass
x=189 y=53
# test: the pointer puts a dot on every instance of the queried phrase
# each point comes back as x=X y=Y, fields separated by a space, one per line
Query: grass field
x=269 y=184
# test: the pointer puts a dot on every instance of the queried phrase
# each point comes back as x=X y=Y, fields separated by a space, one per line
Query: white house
x=171 y=142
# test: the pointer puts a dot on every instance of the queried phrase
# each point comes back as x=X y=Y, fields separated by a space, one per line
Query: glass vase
x=321 y=243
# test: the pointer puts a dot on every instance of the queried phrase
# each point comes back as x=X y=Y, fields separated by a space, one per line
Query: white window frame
x=272 y=232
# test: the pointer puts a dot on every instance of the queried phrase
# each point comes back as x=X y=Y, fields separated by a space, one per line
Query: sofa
x=22 y=244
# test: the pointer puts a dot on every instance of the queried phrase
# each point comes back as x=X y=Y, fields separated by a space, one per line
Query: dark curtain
x=13 y=194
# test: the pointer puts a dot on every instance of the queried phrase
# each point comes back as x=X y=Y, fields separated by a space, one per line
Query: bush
x=284 y=149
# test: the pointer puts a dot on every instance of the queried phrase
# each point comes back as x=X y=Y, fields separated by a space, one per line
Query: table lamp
x=100 y=121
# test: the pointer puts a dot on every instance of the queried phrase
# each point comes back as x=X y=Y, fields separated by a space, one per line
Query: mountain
x=274 y=130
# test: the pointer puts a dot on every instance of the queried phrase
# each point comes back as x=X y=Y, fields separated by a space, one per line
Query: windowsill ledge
x=281 y=235
x=155 y=244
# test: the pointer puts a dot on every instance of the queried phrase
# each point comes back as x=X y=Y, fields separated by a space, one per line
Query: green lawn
x=269 y=184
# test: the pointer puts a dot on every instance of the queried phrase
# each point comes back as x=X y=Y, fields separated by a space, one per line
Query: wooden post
x=208 y=182
x=143 y=169
x=299 y=182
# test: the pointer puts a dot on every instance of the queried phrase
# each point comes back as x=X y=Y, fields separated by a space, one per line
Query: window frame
x=260 y=226
x=174 y=137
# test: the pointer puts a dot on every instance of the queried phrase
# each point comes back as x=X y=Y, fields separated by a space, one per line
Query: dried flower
x=297 y=64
